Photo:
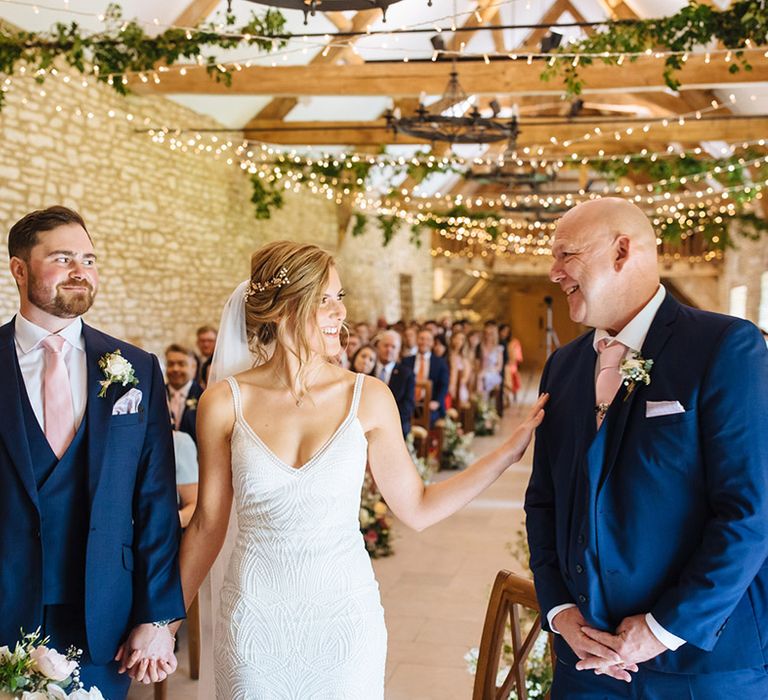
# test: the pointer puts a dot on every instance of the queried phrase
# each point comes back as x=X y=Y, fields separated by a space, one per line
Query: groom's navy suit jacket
x=131 y=571
x=666 y=514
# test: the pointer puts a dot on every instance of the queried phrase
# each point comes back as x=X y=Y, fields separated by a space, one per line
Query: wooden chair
x=421 y=407
x=510 y=593
x=193 y=632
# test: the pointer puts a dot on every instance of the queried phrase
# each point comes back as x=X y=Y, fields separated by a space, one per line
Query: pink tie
x=608 y=378
x=58 y=414
x=177 y=407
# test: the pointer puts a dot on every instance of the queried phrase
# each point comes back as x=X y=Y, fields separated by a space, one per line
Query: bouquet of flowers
x=486 y=418
x=455 y=453
x=33 y=671
x=374 y=520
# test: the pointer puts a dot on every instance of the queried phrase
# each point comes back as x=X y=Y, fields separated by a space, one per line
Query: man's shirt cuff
x=557 y=609
x=669 y=640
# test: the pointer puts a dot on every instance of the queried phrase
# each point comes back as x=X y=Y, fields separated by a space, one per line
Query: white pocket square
x=662 y=408
x=127 y=403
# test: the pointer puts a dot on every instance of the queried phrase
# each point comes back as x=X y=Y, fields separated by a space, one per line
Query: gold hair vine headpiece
x=279 y=280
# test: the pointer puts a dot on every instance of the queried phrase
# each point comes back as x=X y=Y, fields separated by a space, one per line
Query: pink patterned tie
x=58 y=414
x=608 y=378
x=177 y=406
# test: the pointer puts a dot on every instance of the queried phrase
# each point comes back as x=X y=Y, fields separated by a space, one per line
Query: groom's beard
x=65 y=303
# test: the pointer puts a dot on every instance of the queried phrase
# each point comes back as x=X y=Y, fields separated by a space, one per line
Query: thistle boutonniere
x=634 y=369
x=191 y=404
x=117 y=370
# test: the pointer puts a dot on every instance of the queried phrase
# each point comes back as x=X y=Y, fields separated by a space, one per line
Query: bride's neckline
x=349 y=418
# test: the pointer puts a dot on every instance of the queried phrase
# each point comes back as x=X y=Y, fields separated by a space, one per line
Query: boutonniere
x=191 y=404
x=634 y=369
x=117 y=370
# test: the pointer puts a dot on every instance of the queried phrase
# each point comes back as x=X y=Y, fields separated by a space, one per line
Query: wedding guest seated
x=186 y=475
x=206 y=344
x=425 y=366
x=409 y=341
x=363 y=331
x=364 y=360
x=351 y=347
x=183 y=391
x=489 y=360
x=399 y=378
x=441 y=345
x=460 y=370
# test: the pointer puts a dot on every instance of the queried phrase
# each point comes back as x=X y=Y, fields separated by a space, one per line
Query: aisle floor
x=435 y=587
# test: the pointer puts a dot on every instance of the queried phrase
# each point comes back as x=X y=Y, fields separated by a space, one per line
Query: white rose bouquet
x=33 y=671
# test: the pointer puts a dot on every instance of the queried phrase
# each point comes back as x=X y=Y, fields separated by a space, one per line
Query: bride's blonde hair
x=287 y=284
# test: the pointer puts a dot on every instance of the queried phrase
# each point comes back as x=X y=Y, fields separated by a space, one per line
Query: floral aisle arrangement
x=538 y=674
x=456 y=453
x=486 y=418
x=425 y=467
x=374 y=520
x=33 y=671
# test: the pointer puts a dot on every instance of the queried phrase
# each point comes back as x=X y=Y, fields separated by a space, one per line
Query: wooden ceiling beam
x=410 y=79
x=196 y=12
x=375 y=132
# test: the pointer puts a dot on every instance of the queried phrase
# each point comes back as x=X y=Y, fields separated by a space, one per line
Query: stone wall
x=745 y=265
x=173 y=231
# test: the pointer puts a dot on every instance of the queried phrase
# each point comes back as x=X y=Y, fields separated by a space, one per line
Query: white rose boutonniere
x=634 y=369
x=117 y=370
x=191 y=404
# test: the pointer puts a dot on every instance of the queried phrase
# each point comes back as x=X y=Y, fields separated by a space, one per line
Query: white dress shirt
x=633 y=336
x=31 y=354
x=385 y=372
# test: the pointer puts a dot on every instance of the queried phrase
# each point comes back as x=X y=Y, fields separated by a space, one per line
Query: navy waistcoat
x=62 y=487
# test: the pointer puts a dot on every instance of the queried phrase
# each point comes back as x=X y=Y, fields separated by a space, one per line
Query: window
x=738 y=305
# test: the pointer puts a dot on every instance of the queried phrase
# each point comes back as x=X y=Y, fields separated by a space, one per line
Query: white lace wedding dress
x=300 y=612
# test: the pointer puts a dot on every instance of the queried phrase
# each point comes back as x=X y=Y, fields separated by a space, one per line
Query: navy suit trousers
x=747 y=684
x=65 y=625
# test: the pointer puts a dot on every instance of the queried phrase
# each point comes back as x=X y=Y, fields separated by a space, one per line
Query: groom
x=88 y=526
x=647 y=508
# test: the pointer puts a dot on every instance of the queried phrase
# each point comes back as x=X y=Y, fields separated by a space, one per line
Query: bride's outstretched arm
x=393 y=469
x=205 y=533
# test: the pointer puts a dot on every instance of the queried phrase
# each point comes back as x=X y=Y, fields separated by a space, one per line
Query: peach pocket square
x=127 y=403
x=654 y=409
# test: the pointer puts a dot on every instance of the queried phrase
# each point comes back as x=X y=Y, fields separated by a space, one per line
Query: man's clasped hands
x=615 y=655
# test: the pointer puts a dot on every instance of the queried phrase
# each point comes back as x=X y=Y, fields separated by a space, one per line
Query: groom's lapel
x=13 y=432
x=658 y=335
x=98 y=409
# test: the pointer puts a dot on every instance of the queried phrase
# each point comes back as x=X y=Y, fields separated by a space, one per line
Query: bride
x=288 y=439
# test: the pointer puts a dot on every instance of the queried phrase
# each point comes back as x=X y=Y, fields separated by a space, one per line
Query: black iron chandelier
x=310 y=7
x=451 y=125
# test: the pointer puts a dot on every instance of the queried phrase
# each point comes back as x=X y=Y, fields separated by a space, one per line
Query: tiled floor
x=435 y=588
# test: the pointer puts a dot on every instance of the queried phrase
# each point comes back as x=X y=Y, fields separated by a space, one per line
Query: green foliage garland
x=124 y=47
x=743 y=23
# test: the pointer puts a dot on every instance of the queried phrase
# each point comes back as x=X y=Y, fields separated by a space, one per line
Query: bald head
x=605 y=262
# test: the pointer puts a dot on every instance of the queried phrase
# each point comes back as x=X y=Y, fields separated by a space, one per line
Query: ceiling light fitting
x=433 y=126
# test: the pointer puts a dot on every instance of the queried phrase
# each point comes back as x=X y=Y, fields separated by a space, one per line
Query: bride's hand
x=520 y=438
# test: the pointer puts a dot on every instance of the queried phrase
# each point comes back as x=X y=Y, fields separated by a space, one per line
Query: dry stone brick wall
x=173 y=231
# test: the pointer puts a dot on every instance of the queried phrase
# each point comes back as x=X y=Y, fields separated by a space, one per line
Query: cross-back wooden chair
x=422 y=396
x=510 y=593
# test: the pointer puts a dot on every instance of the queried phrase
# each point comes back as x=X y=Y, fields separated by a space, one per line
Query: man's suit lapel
x=13 y=432
x=658 y=335
x=98 y=410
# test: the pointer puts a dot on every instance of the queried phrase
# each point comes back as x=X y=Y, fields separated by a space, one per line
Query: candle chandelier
x=452 y=124
x=311 y=7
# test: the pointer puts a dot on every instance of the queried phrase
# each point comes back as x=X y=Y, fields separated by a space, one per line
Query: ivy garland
x=124 y=47
x=743 y=23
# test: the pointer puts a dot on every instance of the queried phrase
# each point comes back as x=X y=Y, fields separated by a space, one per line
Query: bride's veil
x=232 y=355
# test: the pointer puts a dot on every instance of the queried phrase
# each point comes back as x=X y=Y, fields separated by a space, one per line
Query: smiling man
x=647 y=508
x=88 y=526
